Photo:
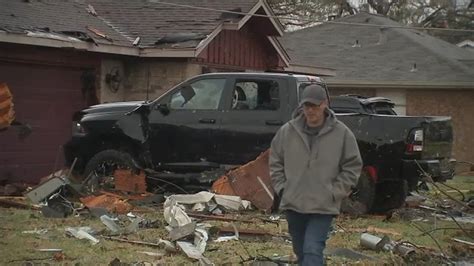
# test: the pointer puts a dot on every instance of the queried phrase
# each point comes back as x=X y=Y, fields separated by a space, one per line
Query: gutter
x=355 y=84
x=90 y=47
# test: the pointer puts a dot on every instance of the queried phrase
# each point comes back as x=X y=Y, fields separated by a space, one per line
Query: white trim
x=203 y=44
x=157 y=52
x=274 y=22
x=400 y=84
x=282 y=53
x=250 y=13
x=86 y=46
x=313 y=70
x=466 y=43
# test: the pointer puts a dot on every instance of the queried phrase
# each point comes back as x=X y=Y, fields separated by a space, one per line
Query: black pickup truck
x=217 y=121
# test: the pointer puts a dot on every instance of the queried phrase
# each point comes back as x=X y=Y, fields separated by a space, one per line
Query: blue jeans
x=309 y=233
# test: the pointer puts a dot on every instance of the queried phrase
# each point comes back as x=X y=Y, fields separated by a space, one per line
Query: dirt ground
x=25 y=232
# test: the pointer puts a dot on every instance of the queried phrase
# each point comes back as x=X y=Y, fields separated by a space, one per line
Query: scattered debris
x=218 y=218
x=175 y=214
x=228 y=238
x=167 y=245
x=251 y=182
x=7 y=203
x=36 y=231
x=113 y=203
x=182 y=231
x=46 y=189
x=49 y=249
x=136 y=41
x=385 y=244
x=464 y=242
x=91 y=10
x=192 y=252
x=153 y=254
x=99 y=33
x=82 y=233
x=241 y=231
x=180 y=37
x=110 y=223
x=125 y=180
x=348 y=253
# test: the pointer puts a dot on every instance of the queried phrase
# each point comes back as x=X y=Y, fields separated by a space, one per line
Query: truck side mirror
x=187 y=92
x=163 y=108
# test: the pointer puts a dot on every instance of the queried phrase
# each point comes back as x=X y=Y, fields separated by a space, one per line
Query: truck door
x=254 y=111
x=186 y=133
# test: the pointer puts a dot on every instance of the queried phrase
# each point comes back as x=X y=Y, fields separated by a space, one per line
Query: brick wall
x=459 y=104
x=158 y=75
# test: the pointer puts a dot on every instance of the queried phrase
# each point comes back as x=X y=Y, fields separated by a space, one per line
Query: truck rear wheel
x=99 y=171
x=362 y=198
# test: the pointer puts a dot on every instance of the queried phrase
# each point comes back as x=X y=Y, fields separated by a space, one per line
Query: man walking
x=314 y=163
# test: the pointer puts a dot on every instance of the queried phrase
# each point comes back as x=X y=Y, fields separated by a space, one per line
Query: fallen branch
x=132 y=241
x=463 y=242
x=9 y=204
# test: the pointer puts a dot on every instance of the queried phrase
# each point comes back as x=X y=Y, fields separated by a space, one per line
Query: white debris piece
x=174 y=213
x=110 y=223
x=200 y=239
x=36 y=231
x=228 y=238
x=229 y=202
x=200 y=197
x=82 y=233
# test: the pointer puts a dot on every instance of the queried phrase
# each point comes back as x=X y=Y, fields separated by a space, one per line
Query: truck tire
x=362 y=198
x=99 y=170
x=391 y=195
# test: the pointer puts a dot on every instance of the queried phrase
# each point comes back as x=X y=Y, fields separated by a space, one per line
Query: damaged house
x=422 y=74
x=60 y=56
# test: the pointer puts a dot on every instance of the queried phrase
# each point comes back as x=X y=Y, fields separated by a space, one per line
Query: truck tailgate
x=438 y=138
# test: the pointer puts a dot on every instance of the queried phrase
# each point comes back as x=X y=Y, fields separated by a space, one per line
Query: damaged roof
x=121 y=22
x=378 y=55
x=56 y=20
x=160 y=24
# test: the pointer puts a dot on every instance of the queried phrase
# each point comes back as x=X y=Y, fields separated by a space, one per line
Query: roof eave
x=101 y=48
x=264 y=5
x=81 y=45
x=311 y=70
x=356 y=84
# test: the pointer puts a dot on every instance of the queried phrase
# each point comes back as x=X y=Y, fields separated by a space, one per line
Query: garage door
x=45 y=97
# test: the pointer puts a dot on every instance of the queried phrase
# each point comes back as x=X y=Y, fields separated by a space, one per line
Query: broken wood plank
x=218 y=218
x=373 y=229
x=242 y=231
x=12 y=204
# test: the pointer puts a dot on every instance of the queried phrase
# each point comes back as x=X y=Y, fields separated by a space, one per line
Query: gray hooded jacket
x=314 y=177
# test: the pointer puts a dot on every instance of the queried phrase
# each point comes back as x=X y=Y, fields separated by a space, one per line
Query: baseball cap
x=314 y=94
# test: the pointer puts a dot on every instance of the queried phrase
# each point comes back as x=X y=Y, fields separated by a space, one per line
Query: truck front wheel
x=99 y=171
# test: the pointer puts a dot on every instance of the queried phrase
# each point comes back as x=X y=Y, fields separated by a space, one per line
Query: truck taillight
x=415 y=141
x=418 y=135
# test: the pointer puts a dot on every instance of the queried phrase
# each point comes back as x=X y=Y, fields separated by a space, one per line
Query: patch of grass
x=18 y=248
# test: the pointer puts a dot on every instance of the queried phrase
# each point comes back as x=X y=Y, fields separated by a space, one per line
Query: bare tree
x=423 y=13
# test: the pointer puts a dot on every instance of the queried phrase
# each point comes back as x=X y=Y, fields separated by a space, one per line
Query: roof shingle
x=384 y=55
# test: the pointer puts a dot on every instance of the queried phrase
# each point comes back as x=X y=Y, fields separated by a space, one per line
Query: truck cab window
x=256 y=95
x=203 y=94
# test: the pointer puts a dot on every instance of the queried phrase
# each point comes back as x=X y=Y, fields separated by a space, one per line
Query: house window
x=203 y=94
x=256 y=95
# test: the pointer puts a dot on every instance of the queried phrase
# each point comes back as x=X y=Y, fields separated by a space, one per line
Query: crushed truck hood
x=113 y=107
